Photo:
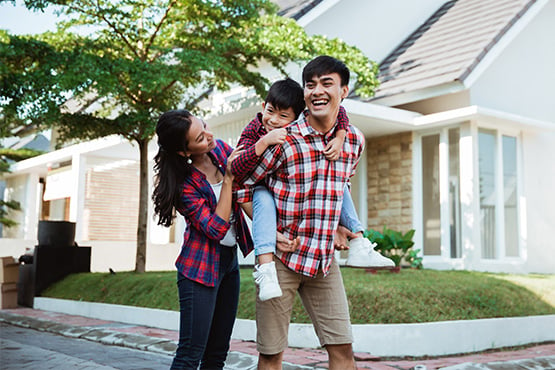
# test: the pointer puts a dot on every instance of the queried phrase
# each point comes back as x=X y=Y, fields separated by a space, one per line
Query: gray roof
x=449 y=45
x=35 y=142
x=295 y=8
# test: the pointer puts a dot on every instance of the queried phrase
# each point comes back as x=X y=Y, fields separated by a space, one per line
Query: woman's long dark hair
x=170 y=168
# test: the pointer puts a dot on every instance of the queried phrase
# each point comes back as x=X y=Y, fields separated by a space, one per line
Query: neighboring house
x=460 y=138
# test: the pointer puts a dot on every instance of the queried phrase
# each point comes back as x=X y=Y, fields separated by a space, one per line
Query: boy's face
x=323 y=95
x=273 y=117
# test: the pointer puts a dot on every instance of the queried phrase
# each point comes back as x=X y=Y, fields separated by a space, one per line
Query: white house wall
x=520 y=79
x=539 y=200
x=15 y=190
x=374 y=26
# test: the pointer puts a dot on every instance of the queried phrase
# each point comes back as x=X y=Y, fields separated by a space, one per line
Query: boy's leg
x=349 y=217
x=361 y=250
x=264 y=222
x=264 y=227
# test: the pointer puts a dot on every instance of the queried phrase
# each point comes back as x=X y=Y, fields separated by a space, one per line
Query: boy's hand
x=333 y=149
x=276 y=136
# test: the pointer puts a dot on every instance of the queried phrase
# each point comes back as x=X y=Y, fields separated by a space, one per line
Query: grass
x=408 y=297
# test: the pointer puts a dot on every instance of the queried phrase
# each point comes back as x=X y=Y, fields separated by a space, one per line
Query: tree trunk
x=140 y=259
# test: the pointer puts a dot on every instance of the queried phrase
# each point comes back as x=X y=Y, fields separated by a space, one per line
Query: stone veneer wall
x=390 y=182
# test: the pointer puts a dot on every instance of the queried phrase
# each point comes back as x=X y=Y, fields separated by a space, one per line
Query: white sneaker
x=362 y=254
x=265 y=276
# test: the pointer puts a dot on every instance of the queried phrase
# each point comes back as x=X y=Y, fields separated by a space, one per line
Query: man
x=308 y=191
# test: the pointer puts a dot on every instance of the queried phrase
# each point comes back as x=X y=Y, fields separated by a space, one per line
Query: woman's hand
x=234 y=154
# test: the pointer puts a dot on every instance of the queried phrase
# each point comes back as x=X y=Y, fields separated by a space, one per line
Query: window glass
x=486 y=164
x=430 y=199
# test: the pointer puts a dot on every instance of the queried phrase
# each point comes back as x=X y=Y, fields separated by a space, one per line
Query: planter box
x=9 y=270
x=8 y=295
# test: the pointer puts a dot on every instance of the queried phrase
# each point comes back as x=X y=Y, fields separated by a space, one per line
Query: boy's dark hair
x=286 y=93
x=324 y=65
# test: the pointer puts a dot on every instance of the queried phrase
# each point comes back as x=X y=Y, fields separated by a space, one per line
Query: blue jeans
x=264 y=223
x=349 y=217
x=207 y=315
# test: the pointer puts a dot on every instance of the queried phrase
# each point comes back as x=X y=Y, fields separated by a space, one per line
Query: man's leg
x=270 y=362
x=341 y=357
x=272 y=319
x=326 y=302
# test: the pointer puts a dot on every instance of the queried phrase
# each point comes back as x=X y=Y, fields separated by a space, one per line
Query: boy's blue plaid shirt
x=199 y=259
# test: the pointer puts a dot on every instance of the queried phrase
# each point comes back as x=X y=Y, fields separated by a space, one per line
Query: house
x=459 y=139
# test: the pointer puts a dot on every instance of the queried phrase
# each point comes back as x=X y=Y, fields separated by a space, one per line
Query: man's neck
x=322 y=124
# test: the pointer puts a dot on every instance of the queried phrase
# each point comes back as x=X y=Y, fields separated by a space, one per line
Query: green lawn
x=407 y=297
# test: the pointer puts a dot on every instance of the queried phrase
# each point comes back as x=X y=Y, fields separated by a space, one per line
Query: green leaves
x=113 y=66
x=140 y=58
x=396 y=245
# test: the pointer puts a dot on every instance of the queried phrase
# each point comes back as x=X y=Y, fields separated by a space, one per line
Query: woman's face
x=199 y=139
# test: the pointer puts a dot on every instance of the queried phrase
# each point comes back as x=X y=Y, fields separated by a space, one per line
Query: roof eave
x=315 y=11
x=483 y=115
x=419 y=94
x=378 y=120
x=40 y=162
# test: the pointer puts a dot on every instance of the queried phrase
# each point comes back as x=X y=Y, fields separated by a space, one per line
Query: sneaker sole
x=371 y=267
x=270 y=297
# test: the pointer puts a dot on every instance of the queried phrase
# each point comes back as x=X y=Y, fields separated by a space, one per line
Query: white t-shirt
x=229 y=239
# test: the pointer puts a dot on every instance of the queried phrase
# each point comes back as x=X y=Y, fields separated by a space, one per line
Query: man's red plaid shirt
x=308 y=191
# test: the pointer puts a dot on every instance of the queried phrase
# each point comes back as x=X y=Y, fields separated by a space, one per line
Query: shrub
x=397 y=246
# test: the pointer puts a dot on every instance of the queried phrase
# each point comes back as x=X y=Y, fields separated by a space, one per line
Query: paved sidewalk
x=243 y=354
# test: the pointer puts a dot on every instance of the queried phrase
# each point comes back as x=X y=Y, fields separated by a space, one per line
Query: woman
x=193 y=177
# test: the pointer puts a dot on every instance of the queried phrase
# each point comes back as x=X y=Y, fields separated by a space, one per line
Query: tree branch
x=159 y=26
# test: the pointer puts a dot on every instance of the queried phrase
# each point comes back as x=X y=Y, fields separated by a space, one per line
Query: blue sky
x=18 y=20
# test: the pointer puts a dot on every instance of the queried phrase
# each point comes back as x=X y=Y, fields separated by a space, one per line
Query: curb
x=235 y=360
x=423 y=339
x=104 y=336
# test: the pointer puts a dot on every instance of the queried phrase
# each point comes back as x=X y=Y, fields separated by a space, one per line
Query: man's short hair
x=324 y=65
x=286 y=93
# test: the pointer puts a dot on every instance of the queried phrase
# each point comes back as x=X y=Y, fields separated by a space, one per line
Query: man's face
x=273 y=117
x=323 y=95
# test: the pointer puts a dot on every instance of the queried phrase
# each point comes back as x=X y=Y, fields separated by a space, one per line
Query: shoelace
x=258 y=277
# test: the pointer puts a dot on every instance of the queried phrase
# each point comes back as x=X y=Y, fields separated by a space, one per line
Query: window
x=430 y=195
x=486 y=163
x=454 y=194
x=510 y=196
x=435 y=183
x=498 y=195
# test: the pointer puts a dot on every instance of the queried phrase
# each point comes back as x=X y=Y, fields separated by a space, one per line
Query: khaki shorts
x=324 y=299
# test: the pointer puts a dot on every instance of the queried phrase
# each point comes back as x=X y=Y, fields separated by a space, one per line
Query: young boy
x=282 y=106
